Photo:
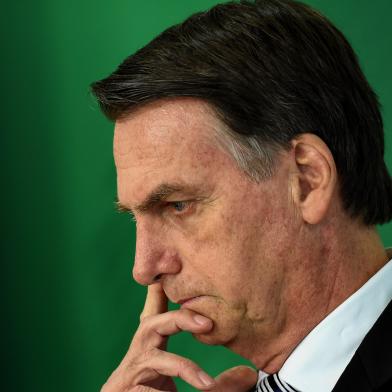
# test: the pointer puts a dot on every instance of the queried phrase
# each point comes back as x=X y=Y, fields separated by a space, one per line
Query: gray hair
x=253 y=156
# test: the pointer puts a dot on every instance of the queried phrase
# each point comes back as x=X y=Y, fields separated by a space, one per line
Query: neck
x=344 y=260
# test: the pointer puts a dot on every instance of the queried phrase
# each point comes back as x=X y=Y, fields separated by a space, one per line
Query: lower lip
x=191 y=301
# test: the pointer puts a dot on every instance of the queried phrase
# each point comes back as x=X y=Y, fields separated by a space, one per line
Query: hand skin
x=148 y=367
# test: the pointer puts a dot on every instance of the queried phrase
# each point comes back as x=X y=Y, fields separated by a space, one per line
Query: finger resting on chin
x=175 y=321
x=153 y=330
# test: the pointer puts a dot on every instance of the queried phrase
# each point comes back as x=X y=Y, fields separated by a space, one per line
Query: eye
x=179 y=206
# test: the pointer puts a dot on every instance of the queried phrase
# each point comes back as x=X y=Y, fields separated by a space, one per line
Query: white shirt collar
x=319 y=360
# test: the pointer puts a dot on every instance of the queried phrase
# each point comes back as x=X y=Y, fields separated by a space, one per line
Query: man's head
x=271 y=70
x=246 y=140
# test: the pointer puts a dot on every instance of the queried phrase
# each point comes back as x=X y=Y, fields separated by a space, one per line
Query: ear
x=315 y=177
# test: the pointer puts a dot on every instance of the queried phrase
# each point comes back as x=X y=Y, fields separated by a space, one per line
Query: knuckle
x=139 y=388
x=144 y=320
x=143 y=329
x=185 y=366
x=147 y=355
x=185 y=313
x=138 y=371
x=142 y=316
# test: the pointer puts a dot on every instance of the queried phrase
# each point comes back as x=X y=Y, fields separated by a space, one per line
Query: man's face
x=204 y=229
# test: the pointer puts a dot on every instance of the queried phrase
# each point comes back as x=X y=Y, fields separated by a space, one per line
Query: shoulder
x=371 y=367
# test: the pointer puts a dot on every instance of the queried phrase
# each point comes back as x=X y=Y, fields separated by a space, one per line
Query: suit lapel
x=371 y=366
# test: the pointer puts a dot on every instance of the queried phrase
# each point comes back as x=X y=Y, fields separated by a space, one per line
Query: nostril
x=157 y=277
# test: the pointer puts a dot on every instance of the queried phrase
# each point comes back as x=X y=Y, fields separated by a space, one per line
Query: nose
x=154 y=256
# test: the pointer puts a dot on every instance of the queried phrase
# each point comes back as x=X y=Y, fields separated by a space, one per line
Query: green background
x=71 y=306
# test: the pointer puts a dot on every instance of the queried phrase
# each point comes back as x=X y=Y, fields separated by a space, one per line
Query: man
x=249 y=149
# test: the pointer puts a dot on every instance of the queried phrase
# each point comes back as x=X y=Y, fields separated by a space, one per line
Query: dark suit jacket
x=371 y=367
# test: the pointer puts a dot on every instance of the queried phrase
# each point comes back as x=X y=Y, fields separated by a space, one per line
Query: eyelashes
x=170 y=208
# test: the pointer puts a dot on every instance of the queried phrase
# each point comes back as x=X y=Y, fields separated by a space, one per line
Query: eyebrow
x=157 y=195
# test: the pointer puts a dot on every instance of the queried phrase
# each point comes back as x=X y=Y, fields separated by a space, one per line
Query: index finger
x=156 y=301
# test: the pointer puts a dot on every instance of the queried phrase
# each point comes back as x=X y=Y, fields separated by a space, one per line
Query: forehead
x=163 y=126
x=166 y=141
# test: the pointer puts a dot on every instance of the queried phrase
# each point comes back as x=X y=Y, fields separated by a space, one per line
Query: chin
x=226 y=325
x=213 y=339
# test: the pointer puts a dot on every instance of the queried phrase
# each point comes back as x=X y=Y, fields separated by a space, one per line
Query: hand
x=236 y=379
x=147 y=366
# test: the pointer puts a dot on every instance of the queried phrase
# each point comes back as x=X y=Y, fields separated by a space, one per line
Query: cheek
x=253 y=248
x=219 y=256
x=229 y=249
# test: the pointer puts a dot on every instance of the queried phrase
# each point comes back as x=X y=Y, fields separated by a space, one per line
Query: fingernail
x=206 y=379
x=201 y=320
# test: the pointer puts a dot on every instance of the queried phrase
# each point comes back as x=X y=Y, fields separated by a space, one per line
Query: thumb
x=236 y=379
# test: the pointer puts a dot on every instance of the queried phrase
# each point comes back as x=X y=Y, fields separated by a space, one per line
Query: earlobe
x=315 y=177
